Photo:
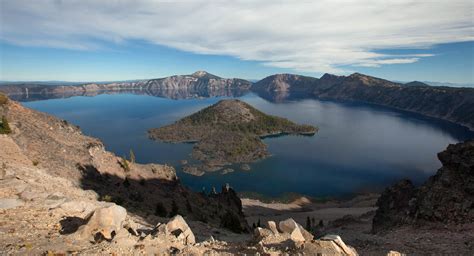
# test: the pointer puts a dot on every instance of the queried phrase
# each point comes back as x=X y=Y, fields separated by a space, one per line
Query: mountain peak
x=204 y=74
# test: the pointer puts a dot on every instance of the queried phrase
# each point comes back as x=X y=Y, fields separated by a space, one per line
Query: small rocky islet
x=228 y=132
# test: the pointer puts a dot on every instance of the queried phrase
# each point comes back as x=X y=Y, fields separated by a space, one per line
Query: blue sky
x=122 y=40
x=451 y=63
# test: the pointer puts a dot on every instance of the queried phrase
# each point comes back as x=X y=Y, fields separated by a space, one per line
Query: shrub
x=136 y=196
x=160 y=210
x=174 y=209
x=3 y=99
x=124 y=164
x=113 y=199
x=126 y=183
x=5 y=126
x=35 y=162
x=106 y=198
x=188 y=206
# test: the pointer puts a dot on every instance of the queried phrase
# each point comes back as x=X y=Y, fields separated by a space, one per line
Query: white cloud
x=322 y=36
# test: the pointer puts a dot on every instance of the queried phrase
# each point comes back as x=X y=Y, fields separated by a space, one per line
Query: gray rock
x=262 y=232
x=177 y=225
x=289 y=225
x=10 y=203
x=106 y=221
x=54 y=200
x=30 y=195
x=14 y=185
x=337 y=241
x=272 y=226
x=77 y=206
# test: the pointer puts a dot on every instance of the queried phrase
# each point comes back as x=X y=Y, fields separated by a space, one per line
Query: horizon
x=55 y=40
x=252 y=80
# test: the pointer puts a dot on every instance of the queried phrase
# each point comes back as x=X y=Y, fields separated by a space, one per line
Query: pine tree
x=308 y=224
x=321 y=224
x=258 y=223
x=174 y=209
x=188 y=206
x=160 y=210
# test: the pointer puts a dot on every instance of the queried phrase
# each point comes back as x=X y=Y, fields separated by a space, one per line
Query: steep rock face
x=394 y=206
x=285 y=83
x=447 y=103
x=199 y=80
x=451 y=104
x=447 y=197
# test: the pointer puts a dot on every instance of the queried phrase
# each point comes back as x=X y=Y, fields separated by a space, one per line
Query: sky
x=88 y=40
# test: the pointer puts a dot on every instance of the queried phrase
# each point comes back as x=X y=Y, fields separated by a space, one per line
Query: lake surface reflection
x=358 y=148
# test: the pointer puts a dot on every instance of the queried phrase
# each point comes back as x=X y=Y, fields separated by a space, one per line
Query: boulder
x=297 y=235
x=272 y=226
x=395 y=253
x=289 y=225
x=180 y=229
x=262 y=233
x=104 y=223
x=338 y=245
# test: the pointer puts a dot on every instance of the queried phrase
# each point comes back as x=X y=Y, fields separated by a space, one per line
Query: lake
x=359 y=147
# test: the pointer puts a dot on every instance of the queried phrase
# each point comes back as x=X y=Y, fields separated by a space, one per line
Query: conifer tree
x=308 y=224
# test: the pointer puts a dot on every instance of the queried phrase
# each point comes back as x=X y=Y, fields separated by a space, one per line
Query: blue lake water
x=358 y=148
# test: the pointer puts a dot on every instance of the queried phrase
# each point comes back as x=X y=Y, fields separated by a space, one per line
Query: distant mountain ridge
x=447 y=103
x=455 y=104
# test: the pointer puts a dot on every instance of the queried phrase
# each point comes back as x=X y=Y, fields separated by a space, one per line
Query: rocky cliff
x=446 y=198
x=452 y=104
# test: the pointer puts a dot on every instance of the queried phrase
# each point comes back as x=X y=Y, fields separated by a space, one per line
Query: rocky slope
x=150 y=190
x=228 y=132
x=446 y=198
x=447 y=103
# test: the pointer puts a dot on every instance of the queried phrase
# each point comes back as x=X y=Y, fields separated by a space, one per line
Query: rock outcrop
x=292 y=238
x=447 y=197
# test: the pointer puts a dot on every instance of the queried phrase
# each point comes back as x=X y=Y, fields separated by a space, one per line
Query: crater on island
x=228 y=132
